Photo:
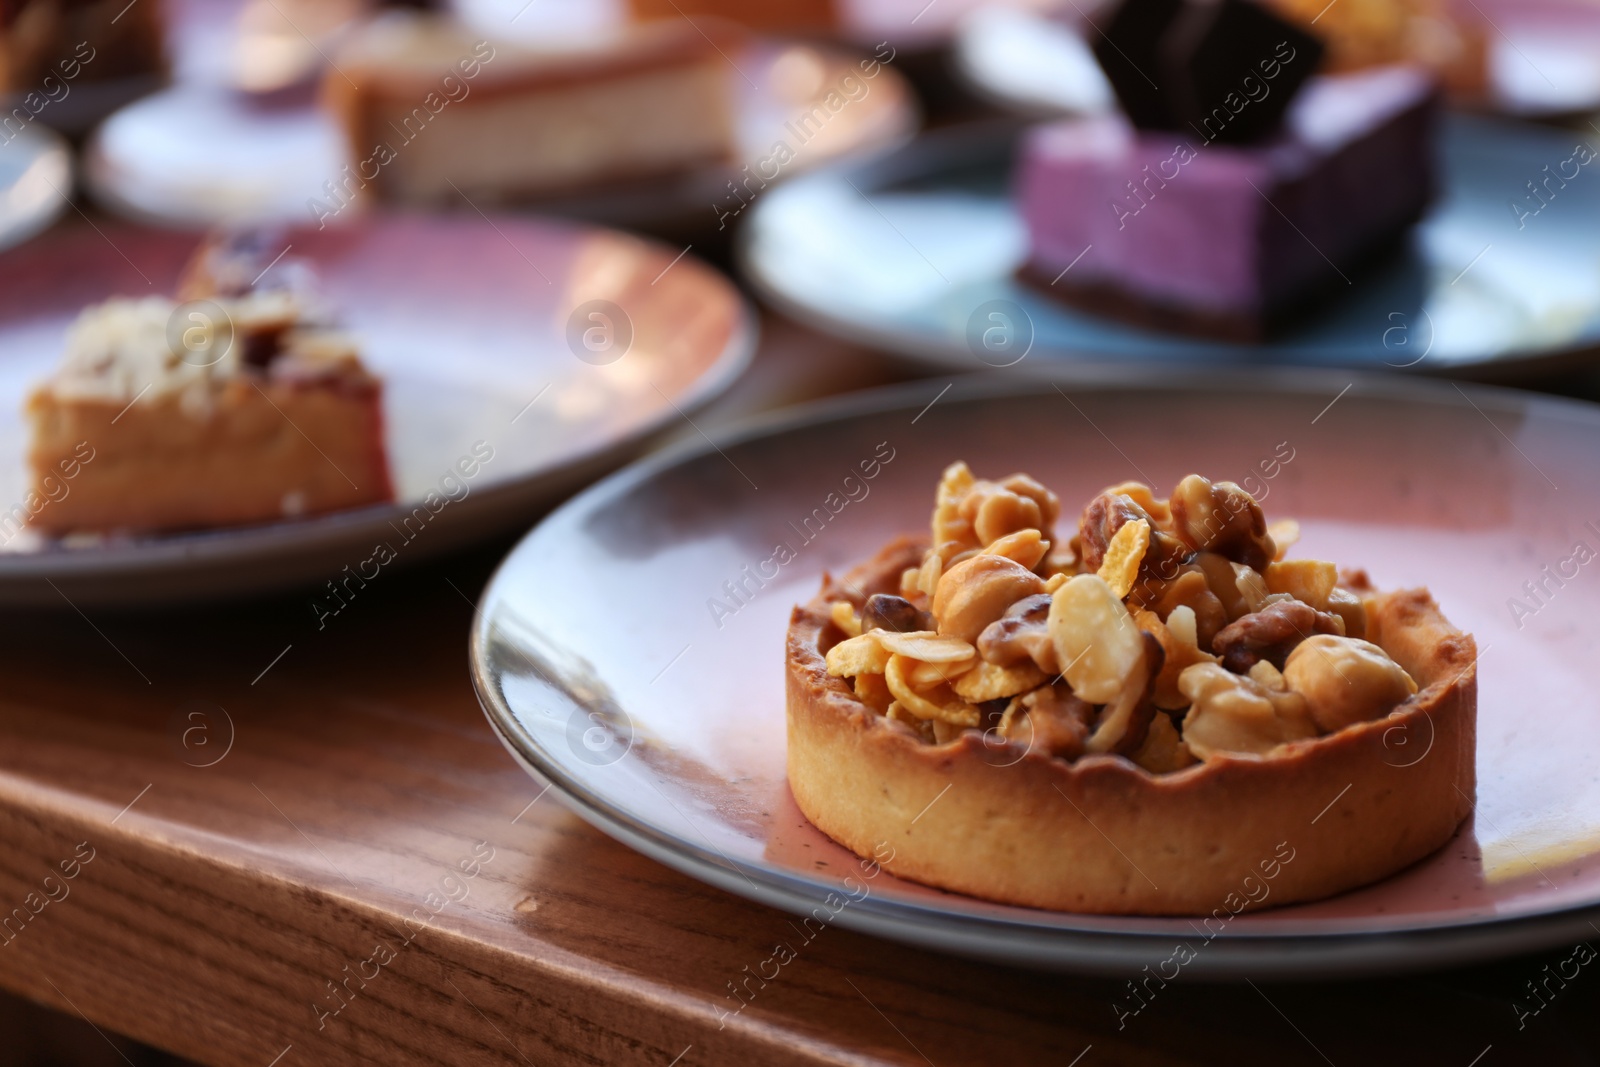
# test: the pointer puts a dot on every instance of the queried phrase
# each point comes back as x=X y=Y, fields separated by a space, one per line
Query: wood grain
x=223 y=903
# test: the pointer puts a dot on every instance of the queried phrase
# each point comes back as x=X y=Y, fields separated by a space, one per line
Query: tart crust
x=1101 y=834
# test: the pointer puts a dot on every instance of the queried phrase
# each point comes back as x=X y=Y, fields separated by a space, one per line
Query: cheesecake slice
x=431 y=112
x=240 y=404
x=1180 y=231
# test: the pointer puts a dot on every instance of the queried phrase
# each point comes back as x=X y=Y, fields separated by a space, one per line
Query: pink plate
x=477 y=326
x=606 y=665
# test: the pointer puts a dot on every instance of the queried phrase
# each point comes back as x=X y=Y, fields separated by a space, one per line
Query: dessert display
x=1133 y=720
x=1236 y=188
x=234 y=402
x=431 y=112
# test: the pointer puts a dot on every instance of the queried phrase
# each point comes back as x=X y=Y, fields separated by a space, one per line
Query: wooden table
x=294 y=846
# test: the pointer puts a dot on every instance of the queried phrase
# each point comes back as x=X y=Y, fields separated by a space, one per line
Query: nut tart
x=1161 y=715
x=239 y=404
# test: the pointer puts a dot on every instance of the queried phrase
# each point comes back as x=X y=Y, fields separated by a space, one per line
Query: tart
x=1242 y=193
x=431 y=112
x=235 y=402
x=1161 y=716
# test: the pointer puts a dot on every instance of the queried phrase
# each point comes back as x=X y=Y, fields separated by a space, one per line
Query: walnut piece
x=1110 y=512
x=1221 y=518
x=1022 y=633
x=1271 y=634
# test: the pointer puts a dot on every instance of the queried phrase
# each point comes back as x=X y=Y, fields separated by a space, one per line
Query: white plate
x=472 y=323
x=35 y=182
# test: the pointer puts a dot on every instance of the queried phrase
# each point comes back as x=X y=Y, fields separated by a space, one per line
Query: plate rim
x=1288 y=955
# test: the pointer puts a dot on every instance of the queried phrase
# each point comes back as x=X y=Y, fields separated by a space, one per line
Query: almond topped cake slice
x=236 y=402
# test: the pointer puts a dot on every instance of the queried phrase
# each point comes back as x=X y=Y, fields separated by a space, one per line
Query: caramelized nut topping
x=1027 y=547
x=883 y=611
x=1271 y=634
x=978 y=513
x=1022 y=633
x=1349 y=607
x=1051 y=720
x=1346 y=680
x=1310 y=580
x=1108 y=513
x=977 y=591
x=1222 y=518
x=986 y=681
x=1191 y=590
x=1178 y=651
x=1163 y=750
x=1231 y=713
x=1122 y=723
x=1099 y=647
x=1184 y=606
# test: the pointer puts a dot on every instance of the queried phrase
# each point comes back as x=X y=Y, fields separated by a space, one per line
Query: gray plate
x=603 y=668
x=908 y=253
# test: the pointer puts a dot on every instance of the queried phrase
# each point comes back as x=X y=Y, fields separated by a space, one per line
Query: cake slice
x=431 y=112
x=1179 y=231
x=68 y=63
x=238 y=405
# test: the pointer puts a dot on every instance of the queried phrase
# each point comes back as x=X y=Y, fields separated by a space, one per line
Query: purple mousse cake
x=1235 y=188
x=1229 y=240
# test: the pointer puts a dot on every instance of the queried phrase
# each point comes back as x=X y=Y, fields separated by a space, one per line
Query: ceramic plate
x=198 y=154
x=630 y=650
x=476 y=326
x=1541 y=59
x=916 y=253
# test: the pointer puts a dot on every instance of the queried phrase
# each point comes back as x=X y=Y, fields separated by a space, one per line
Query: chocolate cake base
x=1112 y=301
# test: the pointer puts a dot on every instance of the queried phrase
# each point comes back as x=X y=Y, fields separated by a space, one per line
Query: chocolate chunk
x=1224 y=71
x=1230 y=69
x=1128 y=50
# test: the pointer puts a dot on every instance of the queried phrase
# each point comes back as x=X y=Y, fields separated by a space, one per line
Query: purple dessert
x=1228 y=240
